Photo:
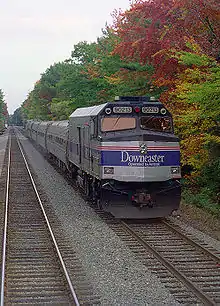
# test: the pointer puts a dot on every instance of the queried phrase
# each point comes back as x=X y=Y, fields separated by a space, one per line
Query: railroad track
x=34 y=269
x=189 y=270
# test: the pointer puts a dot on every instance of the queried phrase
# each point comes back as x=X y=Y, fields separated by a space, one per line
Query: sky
x=36 y=34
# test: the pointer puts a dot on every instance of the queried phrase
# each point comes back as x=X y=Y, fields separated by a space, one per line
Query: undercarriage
x=136 y=200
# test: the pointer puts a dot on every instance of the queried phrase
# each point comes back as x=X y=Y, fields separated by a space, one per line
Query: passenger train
x=123 y=155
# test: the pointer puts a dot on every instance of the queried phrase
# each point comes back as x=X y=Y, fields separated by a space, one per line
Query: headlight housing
x=108 y=170
x=175 y=170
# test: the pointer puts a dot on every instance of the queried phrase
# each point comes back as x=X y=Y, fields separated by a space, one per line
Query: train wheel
x=86 y=186
x=98 y=204
x=96 y=194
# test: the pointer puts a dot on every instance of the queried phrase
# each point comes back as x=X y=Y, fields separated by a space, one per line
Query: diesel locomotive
x=123 y=155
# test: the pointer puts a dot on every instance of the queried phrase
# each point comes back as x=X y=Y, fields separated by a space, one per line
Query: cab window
x=159 y=124
x=110 y=124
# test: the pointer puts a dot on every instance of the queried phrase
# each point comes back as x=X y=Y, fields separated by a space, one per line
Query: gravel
x=3 y=145
x=117 y=276
x=193 y=232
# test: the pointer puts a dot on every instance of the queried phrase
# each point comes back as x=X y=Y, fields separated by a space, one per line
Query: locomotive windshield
x=110 y=124
x=159 y=124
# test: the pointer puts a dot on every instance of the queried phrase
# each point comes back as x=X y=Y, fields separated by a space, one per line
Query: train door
x=87 y=147
x=84 y=148
x=79 y=145
x=92 y=133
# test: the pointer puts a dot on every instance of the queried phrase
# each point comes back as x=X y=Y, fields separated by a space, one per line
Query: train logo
x=143 y=148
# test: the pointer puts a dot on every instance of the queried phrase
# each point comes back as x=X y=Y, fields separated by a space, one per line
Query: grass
x=202 y=198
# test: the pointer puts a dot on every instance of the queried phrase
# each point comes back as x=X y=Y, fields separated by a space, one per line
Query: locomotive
x=123 y=155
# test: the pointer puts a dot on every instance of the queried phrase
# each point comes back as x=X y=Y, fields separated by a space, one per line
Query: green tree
x=16 y=118
x=3 y=111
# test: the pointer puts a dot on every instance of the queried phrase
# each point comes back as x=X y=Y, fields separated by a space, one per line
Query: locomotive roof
x=95 y=110
x=88 y=111
x=61 y=123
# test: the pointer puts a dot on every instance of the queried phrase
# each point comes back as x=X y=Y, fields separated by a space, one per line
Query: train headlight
x=175 y=170
x=108 y=110
x=108 y=170
x=163 y=111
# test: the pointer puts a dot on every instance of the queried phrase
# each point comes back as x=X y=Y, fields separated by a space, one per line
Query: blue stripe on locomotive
x=136 y=159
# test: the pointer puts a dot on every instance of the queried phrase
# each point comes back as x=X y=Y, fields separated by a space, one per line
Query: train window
x=117 y=124
x=160 y=124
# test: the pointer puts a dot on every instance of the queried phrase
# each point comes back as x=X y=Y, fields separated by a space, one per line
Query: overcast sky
x=35 y=34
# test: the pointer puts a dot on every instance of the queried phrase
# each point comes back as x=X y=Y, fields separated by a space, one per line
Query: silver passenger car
x=56 y=141
x=41 y=133
x=28 y=127
x=34 y=129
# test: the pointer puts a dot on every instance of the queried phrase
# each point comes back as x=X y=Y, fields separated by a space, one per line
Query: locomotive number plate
x=150 y=110
x=122 y=109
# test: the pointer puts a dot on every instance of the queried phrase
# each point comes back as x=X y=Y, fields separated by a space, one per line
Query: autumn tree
x=165 y=48
x=194 y=102
x=149 y=29
x=198 y=19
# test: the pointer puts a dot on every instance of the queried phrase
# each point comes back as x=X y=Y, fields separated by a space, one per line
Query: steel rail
x=207 y=252
x=4 y=242
x=73 y=293
x=194 y=288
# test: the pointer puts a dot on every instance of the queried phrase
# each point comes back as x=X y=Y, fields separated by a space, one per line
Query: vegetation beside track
x=169 y=50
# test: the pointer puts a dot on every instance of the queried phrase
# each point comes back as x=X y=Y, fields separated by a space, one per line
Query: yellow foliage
x=113 y=80
x=191 y=44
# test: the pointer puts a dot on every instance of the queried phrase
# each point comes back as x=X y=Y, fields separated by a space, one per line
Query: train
x=122 y=154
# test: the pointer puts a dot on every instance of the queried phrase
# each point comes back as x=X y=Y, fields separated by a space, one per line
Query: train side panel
x=28 y=128
x=34 y=130
x=56 y=139
x=42 y=131
x=83 y=141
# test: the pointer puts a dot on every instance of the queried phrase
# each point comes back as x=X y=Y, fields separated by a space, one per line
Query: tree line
x=3 y=111
x=168 y=49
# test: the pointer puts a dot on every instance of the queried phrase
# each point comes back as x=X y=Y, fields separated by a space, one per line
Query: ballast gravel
x=197 y=234
x=117 y=276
